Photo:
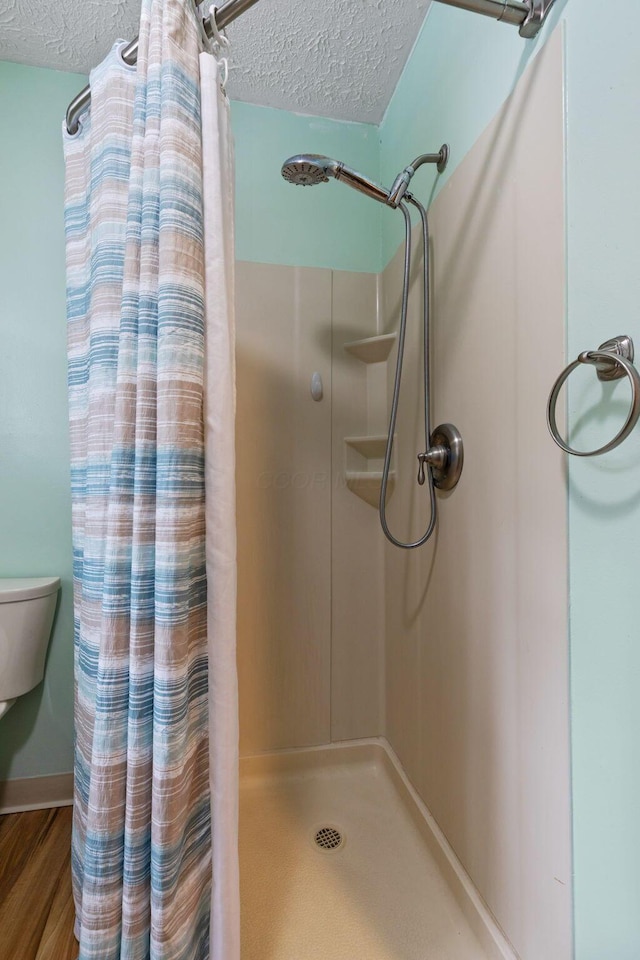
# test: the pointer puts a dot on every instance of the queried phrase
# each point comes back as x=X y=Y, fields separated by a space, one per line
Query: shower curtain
x=151 y=408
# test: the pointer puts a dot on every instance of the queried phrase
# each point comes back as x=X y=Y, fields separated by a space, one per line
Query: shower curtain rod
x=528 y=15
x=225 y=15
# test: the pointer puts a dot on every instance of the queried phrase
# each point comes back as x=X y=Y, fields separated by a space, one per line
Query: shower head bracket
x=538 y=12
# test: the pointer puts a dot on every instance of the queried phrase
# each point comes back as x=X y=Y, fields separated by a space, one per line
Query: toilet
x=27 y=607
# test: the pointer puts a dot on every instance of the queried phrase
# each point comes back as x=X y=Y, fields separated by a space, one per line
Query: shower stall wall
x=457 y=653
x=310 y=577
x=477 y=625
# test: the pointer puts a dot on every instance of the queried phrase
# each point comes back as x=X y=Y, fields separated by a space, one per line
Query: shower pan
x=440 y=465
x=335 y=862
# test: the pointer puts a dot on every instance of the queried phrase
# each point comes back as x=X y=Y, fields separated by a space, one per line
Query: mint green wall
x=461 y=71
x=35 y=514
x=327 y=226
x=603 y=72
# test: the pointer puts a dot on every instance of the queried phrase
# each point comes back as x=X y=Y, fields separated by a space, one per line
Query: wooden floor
x=36 y=906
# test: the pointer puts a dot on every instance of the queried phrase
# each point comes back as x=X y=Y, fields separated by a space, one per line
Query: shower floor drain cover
x=328 y=838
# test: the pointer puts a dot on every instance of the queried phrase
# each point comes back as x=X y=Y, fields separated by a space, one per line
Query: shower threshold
x=339 y=860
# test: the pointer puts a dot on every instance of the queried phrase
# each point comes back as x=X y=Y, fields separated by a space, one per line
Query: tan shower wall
x=476 y=623
x=357 y=569
x=310 y=561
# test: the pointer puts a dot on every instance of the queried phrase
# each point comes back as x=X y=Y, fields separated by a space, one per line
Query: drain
x=328 y=838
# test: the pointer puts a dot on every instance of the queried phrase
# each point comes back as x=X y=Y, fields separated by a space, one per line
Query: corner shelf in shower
x=372 y=349
x=364 y=457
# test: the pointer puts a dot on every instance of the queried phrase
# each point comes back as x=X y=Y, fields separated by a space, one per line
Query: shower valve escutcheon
x=445 y=457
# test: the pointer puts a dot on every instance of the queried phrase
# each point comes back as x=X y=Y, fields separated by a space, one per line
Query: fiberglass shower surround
x=441 y=463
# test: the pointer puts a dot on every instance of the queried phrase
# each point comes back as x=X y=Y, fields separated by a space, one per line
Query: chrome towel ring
x=613 y=360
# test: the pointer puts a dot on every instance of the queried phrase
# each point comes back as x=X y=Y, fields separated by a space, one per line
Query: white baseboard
x=36 y=793
x=379 y=751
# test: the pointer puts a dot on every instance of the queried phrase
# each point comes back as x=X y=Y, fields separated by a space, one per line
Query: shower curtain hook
x=215 y=42
x=218 y=37
x=224 y=63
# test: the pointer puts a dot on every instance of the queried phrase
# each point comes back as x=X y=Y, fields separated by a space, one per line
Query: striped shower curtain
x=150 y=334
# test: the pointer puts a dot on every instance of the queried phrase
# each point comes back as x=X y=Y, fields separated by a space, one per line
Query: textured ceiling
x=332 y=58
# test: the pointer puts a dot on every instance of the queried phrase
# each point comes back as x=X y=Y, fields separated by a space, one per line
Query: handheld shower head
x=308 y=169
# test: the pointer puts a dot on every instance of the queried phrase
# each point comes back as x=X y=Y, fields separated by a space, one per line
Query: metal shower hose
x=425 y=474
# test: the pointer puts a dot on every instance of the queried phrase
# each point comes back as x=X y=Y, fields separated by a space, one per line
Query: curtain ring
x=218 y=37
x=224 y=63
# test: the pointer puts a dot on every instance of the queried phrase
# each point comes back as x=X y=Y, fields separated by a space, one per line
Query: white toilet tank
x=27 y=607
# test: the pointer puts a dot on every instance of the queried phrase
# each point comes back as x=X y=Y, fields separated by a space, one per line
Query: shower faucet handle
x=445 y=456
